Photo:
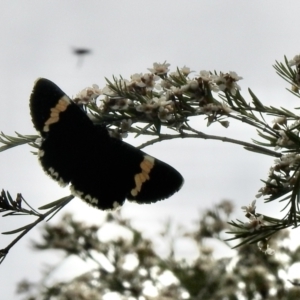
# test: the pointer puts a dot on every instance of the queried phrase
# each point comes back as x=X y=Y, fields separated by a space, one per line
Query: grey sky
x=126 y=38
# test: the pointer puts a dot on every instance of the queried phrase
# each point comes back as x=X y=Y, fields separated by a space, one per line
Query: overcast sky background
x=126 y=38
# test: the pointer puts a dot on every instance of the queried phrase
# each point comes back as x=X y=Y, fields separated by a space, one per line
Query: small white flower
x=205 y=75
x=211 y=79
x=295 y=61
x=235 y=76
x=193 y=85
x=166 y=84
x=255 y=223
x=165 y=113
x=286 y=160
x=162 y=101
x=160 y=69
x=145 y=81
x=88 y=94
x=137 y=79
x=264 y=246
x=279 y=120
x=250 y=208
x=283 y=140
x=176 y=90
x=217 y=79
x=227 y=81
x=149 y=80
x=185 y=71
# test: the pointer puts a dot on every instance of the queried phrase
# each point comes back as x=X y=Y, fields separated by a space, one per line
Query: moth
x=101 y=170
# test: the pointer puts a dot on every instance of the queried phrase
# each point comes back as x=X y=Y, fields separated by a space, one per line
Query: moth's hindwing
x=102 y=171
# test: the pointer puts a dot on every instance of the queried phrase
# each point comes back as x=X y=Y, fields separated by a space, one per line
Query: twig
x=201 y=135
x=4 y=251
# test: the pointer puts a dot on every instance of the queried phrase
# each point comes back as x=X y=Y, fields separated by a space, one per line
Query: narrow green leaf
x=260 y=151
x=17 y=230
x=11 y=141
x=256 y=101
x=55 y=203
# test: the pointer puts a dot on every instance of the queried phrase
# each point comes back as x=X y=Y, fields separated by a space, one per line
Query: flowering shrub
x=160 y=103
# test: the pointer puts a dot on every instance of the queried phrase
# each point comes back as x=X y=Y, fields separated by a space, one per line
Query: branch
x=58 y=205
x=201 y=135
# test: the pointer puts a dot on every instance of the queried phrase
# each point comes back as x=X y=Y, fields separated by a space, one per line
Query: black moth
x=102 y=170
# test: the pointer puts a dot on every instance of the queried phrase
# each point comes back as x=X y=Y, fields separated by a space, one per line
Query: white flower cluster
x=161 y=105
x=279 y=179
x=256 y=223
x=250 y=209
x=154 y=94
x=284 y=173
x=216 y=83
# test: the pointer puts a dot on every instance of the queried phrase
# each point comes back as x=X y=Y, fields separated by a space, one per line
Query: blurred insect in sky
x=81 y=52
